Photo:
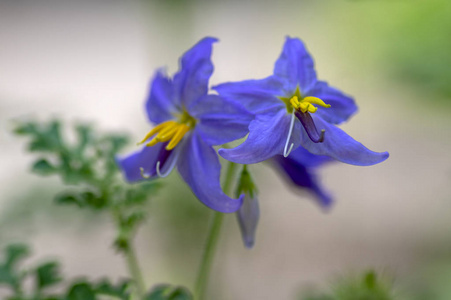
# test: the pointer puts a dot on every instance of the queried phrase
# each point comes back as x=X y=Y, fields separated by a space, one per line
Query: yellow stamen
x=157 y=129
x=181 y=131
x=168 y=129
x=312 y=108
x=315 y=100
x=295 y=102
x=172 y=131
x=306 y=104
x=152 y=142
x=166 y=135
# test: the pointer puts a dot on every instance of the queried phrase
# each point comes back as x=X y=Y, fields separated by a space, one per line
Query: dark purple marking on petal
x=310 y=127
x=163 y=155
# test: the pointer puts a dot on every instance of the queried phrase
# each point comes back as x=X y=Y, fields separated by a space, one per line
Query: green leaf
x=180 y=293
x=7 y=276
x=91 y=199
x=168 y=292
x=47 y=275
x=81 y=291
x=43 y=167
x=15 y=253
x=8 y=268
x=25 y=128
x=84 y=133
x=370 y=280
x=120 y=291
x=47 y=138
x=134 y=218
x=83 y=199
x=68 y=198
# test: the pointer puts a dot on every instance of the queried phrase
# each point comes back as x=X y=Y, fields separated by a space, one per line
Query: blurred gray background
x=93 y=60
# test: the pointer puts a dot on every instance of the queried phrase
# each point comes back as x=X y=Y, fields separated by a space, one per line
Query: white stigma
x=285 y=151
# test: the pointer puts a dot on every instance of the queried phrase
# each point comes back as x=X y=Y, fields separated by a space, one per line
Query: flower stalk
x=124 y=244
x=212 y=240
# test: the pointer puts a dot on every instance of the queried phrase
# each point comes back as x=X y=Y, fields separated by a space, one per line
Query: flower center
x=296 y=102
x=170 y=131
x=300 y=108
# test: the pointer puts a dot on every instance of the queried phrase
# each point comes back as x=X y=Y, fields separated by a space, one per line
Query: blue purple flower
x=293 y=108
x=189 y=122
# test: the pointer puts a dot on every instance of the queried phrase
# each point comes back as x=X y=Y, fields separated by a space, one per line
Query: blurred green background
x=92 y=61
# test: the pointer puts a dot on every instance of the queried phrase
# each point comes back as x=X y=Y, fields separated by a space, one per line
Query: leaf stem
x=135 y=271
x=212 y=240
x=125 y=246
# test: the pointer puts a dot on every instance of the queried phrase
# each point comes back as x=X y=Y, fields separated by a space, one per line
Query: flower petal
x=200 y=168
x=342 y=106
x=299 y=169
x=309 y=160
x=247 y=217
x=339 y=145
x=220 y=121
x=257 y=96
x=146 y=159
x=161 y=102
x=191 y=82
x=267 y=137
x=295 y=67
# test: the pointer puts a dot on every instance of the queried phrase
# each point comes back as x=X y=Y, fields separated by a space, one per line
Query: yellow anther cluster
x=170 y=130
x=302 y=104
x=306 y=104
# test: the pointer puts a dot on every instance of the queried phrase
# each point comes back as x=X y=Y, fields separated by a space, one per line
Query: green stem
x=135 y=271
x=130 y=255
x=212 y=241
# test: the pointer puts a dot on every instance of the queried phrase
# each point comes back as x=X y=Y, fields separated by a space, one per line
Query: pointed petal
x=297 y=169
x=247 y=217
x=339 y=145
x=146 y=158
x=267 y=137
x=295 y=66
x=342 y=106
x=161 y=102
x=257 y=96
x=200 y=168
x=220 y=121
x=191 y=82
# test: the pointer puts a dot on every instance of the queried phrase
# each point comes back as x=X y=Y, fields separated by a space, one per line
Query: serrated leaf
x=43 y=167
x=46 y=138
x=81 y=291
x=47 y=275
